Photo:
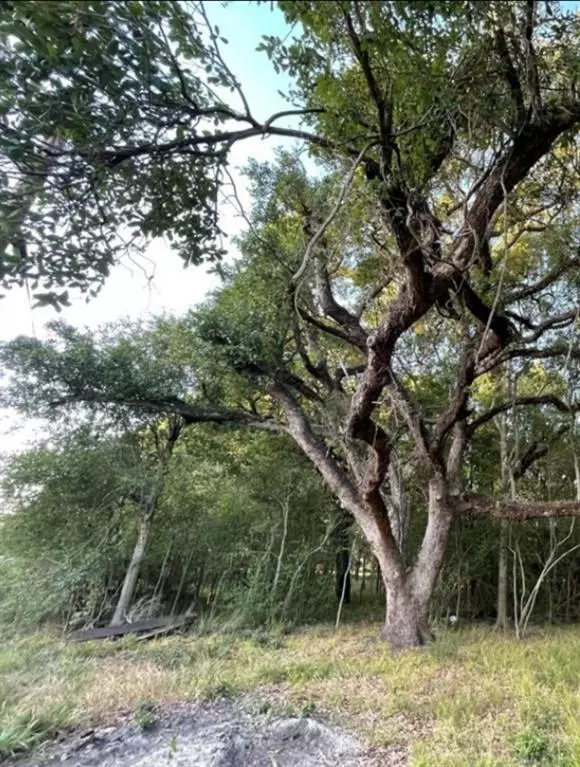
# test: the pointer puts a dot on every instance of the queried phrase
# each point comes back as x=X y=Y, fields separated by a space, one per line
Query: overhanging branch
x=473 y=505
x=191 y=414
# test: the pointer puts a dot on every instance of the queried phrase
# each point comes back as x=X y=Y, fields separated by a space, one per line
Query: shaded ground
x=218 y=734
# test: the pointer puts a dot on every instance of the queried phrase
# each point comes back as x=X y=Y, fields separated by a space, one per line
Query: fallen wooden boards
x=144 y=629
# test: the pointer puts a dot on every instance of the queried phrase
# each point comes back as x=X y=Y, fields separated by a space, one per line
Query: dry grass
x=472 y=698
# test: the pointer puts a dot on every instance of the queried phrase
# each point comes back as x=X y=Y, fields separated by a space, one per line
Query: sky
x=129 y=291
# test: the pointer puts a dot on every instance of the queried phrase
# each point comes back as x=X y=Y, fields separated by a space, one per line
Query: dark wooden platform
x=145 y=629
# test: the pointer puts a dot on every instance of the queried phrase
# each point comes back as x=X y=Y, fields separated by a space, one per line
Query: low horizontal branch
x=190 y=413
x=473 y=504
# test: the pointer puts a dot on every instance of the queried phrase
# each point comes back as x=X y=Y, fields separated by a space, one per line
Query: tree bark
x=406 y=623
x=501 y=623
x=130 y=582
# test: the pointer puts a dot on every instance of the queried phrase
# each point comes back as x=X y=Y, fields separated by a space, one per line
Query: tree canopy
x=385 y=309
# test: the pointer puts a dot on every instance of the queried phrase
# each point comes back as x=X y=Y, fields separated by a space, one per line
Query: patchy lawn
x=472 y=698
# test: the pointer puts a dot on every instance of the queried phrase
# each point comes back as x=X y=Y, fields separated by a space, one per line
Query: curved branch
x=545 y=282
x=331 y=331
x=550 y=352
x=530 y=145
x=330 y=306
x=541 y=399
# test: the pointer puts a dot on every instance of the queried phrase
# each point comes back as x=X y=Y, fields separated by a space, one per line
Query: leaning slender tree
x=441 y=245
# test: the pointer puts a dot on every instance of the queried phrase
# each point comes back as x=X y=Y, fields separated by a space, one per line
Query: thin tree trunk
x=501 y=623
x=344 y=597
x=363 y=580
x=181 y=583
x=459 y=589
x=285 y=505
x=130 y=582
x=568 y=593
x=342 y=541
x=148 y=509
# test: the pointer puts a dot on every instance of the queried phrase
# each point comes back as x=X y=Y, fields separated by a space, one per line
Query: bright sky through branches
x=129 y=292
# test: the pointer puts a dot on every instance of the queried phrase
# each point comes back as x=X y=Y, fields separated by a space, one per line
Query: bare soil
x=222 y=733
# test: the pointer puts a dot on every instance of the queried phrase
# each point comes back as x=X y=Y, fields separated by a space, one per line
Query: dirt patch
x=219 y=734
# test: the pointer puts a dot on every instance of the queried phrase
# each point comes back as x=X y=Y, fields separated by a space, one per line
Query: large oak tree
x=441 y=243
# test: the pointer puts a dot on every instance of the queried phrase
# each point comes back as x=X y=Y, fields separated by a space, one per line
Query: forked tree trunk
x=132 y=574
x=408 y=595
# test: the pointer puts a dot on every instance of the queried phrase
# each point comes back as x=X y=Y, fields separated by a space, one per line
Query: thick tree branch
x=368 y=508
x=190 y=413
x=318 y=370
x=330 y=306
x=558 y=321
x=455 y=457
x=472 y=504
x=226 y=139
x=313 y=446
x=535 y=452
x=529 y=146
x=551 y=352
x=499 y=325
x=330 y=329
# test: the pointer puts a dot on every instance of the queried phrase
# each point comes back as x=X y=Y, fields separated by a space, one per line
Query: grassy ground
x=472 y=698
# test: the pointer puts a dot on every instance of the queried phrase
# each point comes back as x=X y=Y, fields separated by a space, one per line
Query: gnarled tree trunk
x=406 y=623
